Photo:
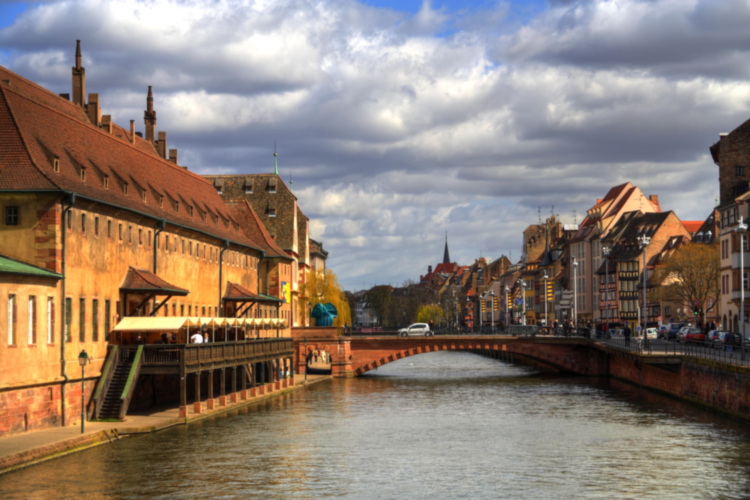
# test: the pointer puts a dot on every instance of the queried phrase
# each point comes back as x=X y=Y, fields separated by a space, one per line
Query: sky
x=400 y=122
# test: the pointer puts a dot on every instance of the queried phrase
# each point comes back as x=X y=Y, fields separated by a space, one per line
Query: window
x=744 y=281
x=119 y=230
x=125 y=188
x=140 y=236
x=105 y=181
x=107 y=312
x=248 y=188
x=32 y=320
x=109 y=228
x=12 y=319
x=83 y=174
x=50 y=320
x=12 y=216
x=83 y=223
x=739 y=171
x=130 y=234
x=56 y=164
x=271 y=212
x=82 y=320
x=69 y=220
x=95 y=320
x=68 y=318
x=96 y=225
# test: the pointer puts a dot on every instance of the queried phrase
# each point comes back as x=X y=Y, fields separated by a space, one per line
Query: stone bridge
x=354 y=356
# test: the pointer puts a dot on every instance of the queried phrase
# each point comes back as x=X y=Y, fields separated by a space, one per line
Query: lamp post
x=544 y=293
x=523 y=301
x=304 y=356
x=507 y=309
x=480 y=302
x=742 y=230
x=492 y=310
x=605 y=253
x=83 y=360
x=575 y=293
x=644 y=241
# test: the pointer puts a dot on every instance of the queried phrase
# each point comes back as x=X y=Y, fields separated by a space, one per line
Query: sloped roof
x=12 y=266
x=39 y=129
x=254 y=229
x=141 y=280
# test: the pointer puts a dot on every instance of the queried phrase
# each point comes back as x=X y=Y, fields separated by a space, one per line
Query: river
x=438 y=425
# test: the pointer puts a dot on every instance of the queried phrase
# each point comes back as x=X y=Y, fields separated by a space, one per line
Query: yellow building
x=98 y=224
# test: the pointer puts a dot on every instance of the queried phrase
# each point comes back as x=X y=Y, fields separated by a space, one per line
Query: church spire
x=275 y=159
x=446 y=255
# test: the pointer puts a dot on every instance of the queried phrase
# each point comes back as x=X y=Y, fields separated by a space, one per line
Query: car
x=729 y=339
x=713 y=336
x=692 y=334
x=670 y=332
x=416 y=329
x=684 y=330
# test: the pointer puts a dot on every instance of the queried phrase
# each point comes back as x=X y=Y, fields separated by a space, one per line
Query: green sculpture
x=324 y=314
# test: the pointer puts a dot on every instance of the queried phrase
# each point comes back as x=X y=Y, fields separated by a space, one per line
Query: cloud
x=396 y=127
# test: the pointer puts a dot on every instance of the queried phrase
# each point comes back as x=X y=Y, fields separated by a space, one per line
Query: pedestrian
x=626 y=333
x=729 y=340
x=196 y=338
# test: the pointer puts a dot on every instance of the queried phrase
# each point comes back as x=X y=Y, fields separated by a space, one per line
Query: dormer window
x=56 y=164
x=83 y=174
x=248 y=188
x=105 y=181
x=161 y=202
x=739 y=171
x=176 y=206
x=219 y=189
x=190 y=211
x=125 y=188
x=143 y=195
x=271 y=212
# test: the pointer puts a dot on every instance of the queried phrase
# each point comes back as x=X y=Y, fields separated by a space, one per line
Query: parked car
x=713 y=336
x=416 y=329
x=670 y=333
x=692 y=334
x=652 y=333
x=729 y=339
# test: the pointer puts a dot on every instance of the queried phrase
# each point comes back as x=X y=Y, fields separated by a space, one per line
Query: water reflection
x=439 y=425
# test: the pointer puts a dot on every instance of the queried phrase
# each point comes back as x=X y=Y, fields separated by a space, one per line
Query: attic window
x=105 y=181
x=271 y=212
x=219 y=189
x=739 y=171
x=190 y=210
x=216 y=219
x=125 y=188
x=56 y=164
x=272 y=186
x=161 y=201
x=143 y=195
x=248 y=188
x=176 y=206
x=83 y=174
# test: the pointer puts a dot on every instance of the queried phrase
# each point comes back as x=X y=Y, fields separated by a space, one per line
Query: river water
x=438 y=425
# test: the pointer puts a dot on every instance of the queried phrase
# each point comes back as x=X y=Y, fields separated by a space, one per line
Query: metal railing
x=706 y=350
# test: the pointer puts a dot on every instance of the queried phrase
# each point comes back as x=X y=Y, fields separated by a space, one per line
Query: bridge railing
x=705 y=350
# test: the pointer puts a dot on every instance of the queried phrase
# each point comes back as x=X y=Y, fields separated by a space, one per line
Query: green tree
x=380 y=299
x=431 y=313
x=691 y=275
x=324 y=288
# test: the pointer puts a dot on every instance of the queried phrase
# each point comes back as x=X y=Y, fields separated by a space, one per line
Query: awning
x=153 y=324
x=148 y=285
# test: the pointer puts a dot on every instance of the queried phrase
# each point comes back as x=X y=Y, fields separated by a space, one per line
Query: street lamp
x=480 y=303
x=575 y=293
x=644 y=241
x=492 y=310
x=523 y=301
x=83 y=360
x=544 y=293
x=742 y=230
x=507 y=309
x=605 y=253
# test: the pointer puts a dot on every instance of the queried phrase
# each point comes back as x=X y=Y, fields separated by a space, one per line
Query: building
x=99 y=224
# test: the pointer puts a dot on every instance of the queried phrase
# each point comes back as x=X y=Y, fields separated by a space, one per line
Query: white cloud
x=397 y=128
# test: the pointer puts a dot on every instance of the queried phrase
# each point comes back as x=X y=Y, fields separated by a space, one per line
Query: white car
x=417 y=329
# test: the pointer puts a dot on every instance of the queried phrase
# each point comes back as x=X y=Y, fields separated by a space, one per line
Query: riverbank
x=33 y=447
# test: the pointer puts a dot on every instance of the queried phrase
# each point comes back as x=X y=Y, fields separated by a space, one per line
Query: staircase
x=112 y=404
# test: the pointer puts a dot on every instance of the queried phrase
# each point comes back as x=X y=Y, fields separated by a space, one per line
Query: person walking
x=626 y=333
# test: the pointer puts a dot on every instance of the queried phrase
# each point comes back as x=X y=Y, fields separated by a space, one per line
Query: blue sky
x=399 y=121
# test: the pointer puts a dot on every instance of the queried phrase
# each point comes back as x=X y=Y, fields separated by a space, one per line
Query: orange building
x=98 y=224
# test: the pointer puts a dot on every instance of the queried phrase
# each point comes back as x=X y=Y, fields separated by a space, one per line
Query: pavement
x=36 y=446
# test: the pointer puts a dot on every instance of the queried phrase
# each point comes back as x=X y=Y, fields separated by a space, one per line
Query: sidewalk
x=29 y=448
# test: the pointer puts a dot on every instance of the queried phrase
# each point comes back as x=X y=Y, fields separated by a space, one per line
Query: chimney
x=161 y=145
x=173 y=156
x=654 y=198
x=95 y=114
x=149 y=117
x=429 y=269
x=132 y=131
x=79 y=78
x=107 y=123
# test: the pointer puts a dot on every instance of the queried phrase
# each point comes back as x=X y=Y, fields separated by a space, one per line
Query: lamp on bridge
x=742 y=230
x=575 y=293
x=492 y=316
x=523 y=301
x=507 y=307
x=605 y=252
x=544 y=292
x=83 y=360
x=644 y=241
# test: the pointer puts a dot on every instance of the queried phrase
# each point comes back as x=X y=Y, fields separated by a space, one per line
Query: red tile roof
x=38 y=128
x=141 y=280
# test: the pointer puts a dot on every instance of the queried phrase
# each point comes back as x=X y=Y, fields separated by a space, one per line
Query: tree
x=380 y=298
x=324 y=288
x=691 y=276
x=430 y=313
